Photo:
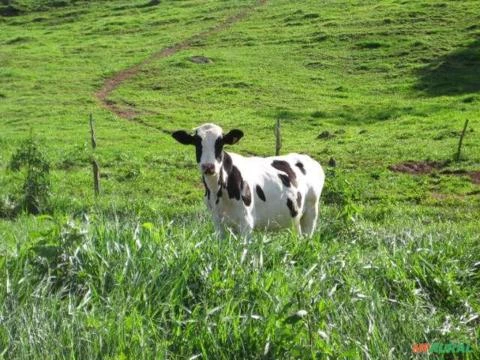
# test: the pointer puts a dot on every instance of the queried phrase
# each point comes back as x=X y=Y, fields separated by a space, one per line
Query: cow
x=247 y=193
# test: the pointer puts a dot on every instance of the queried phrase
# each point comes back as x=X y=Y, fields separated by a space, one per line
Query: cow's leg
x=308 y=221
x=246 y=228
x=219 y=226
x=297 y=224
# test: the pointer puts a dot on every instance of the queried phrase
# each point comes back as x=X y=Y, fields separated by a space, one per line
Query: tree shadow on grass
x=454 y=74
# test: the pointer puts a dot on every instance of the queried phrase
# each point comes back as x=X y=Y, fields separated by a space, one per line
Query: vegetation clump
x=36 y=187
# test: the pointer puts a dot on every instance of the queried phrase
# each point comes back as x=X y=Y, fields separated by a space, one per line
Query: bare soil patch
x=474 y=175
x=427 y=167
x=417 y=167
x=200 y=60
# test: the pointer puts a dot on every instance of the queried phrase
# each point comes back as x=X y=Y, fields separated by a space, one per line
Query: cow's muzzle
x=208 y=169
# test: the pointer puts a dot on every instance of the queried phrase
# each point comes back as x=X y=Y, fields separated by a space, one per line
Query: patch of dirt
x=474 y=175
x=427 y=167
x=112 y=83
x=200 y=60
x=325 y=135
x=419 y=167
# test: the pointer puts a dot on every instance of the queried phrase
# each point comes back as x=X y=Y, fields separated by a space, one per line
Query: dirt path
x=128 y=111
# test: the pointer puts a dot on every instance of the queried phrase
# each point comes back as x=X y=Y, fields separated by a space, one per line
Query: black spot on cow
x=221 y=183
x=299 y=200
x=234 y=183
x=285 y=179
x=236 y=187
x=246 y=195
x=219 y=195
x=198 y=147
x=260 y=193
x=301 y=167
x=290 y=177
x=292 y=207
x=218 y=148
x=227 y=163
x=207 y=190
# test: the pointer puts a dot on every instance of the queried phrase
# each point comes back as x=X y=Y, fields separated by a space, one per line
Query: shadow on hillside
x=149 y=4
x=453 y=74
x=9 y=10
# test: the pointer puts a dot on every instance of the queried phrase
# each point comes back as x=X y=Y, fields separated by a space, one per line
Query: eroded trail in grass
x=127 y=111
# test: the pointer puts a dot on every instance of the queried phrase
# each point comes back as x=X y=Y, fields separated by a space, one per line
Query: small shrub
x=7 y=206
x=338 y=191
x=56 y=255
x=36 y=187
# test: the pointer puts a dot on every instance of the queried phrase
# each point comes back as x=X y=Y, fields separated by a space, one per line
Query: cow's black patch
x=299 y=200
x=221 y=183
x=218 y=148
x=207 y=190
x=301 y=167
x=285 y=167
x=260 y=193
x=234 y=183
x=285 y=179
x=198 y=147
x=246 y=195
x=292 y=207
x=219 y=195
x=236 y=187
x=227 y=163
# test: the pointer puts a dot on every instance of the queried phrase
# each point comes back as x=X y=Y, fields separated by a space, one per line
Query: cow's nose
x=208 y=169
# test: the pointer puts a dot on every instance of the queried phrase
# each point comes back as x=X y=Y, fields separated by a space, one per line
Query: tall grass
x=100 y=288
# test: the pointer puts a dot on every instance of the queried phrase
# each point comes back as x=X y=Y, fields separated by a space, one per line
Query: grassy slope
x=320 y=68
x=405 y=271
x=53 y=62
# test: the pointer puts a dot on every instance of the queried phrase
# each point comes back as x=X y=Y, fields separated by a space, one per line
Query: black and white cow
x=244 y=193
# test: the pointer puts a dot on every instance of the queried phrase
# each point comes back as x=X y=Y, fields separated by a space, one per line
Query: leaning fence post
x=95 y=167
x=278 y=138
x=461 y=140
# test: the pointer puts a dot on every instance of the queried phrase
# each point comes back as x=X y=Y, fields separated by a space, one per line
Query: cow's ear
x=183 y=137
x=232 y=137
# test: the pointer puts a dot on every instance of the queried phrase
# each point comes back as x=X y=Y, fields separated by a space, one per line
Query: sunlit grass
x=84 y=288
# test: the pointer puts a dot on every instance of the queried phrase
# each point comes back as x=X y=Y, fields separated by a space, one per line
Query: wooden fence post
x=278 y=138
x=461 y=140
x=96 y=168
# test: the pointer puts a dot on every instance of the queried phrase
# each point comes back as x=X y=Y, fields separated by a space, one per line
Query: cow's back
x=280 y=186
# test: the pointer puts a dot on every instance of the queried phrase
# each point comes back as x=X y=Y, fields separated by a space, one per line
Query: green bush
x=36 y=187
x=339 y=192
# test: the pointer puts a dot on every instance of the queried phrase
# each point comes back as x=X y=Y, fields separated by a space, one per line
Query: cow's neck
x=215 y=183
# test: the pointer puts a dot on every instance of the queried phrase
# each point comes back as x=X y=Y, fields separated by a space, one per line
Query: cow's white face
x=210 y=148
x=209 y=141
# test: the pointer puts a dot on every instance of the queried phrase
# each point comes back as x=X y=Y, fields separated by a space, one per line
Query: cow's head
x=209 y=140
